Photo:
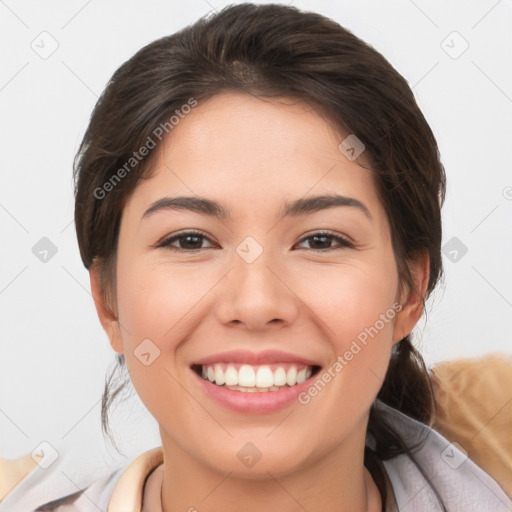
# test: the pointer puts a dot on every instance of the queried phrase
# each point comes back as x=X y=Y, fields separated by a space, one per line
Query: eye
x=191 y=241
x=323 y=238
x=188 y=241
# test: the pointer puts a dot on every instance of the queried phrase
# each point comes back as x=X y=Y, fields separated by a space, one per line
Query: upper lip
x=255 y=358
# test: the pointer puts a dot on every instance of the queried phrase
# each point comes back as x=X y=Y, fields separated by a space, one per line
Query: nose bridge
x=255 y=293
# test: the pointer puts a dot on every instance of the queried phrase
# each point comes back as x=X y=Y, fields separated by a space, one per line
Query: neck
x=336 y=481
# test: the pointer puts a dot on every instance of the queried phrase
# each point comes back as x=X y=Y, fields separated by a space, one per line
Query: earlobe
x=412 y=301
x=106 y=316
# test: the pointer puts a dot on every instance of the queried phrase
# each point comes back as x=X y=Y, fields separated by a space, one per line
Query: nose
x=257 y=295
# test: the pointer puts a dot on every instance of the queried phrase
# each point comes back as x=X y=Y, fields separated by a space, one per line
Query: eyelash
x=343 y=242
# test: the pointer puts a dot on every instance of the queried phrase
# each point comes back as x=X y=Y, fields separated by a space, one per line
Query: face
x=319 y=285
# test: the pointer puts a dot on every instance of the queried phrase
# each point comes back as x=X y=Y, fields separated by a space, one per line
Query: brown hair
x=274 y=51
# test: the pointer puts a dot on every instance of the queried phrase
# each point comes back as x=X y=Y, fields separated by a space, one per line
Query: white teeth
x=264 y=377
x=219 y=375
x=291 y=376
x=231 y=376
x=246 y=376
x=280 y=377
x=253 y=379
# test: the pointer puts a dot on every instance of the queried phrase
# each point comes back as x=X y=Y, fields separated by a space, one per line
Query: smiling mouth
x=255 y=378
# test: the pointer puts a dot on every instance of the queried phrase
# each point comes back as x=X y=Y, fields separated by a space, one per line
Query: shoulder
x=52 y=480
x=438 y=466
x=30 y=484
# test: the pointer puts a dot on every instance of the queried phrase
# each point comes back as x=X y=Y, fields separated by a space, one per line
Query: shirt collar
x=129 y=490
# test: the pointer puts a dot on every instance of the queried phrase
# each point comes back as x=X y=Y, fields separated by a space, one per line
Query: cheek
x=348 y=298
x=154 y=299
x=359 y=328
x=163 y=303
x=355 y=306
x=152 y=306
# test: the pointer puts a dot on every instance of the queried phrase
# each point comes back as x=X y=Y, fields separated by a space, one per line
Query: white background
x=53 y=352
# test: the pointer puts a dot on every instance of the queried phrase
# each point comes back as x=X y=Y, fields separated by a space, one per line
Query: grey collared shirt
x=441 y=467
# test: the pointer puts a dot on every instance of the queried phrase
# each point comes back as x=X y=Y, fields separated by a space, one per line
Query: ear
x=107 y=317
x=412 y=303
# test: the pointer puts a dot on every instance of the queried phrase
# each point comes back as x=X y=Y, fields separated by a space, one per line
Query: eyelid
x=165 y=241
x=343 y=240
x=332 y=234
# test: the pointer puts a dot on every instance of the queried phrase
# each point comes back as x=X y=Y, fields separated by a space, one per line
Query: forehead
x=252 y=154
x=242 y=128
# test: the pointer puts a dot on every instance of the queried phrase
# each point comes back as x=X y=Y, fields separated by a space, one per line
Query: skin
x=252 y=155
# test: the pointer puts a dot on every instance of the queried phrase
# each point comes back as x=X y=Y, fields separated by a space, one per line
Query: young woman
x=258 y=204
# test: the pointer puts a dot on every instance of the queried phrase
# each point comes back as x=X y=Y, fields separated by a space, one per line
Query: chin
x=274 y=465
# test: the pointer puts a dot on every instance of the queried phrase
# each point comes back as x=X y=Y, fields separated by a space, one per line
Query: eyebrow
x=295 y=208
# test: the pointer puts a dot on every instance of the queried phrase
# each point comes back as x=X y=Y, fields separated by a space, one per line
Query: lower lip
x=257 y=402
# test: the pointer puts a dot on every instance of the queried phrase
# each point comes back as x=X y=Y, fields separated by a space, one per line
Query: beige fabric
x=127 y=495
x=13 y=471
x=152 y=498
x=475 y=410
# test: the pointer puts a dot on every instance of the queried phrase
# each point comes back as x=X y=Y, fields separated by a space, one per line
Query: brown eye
x=188 y=241
x=321 y=241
